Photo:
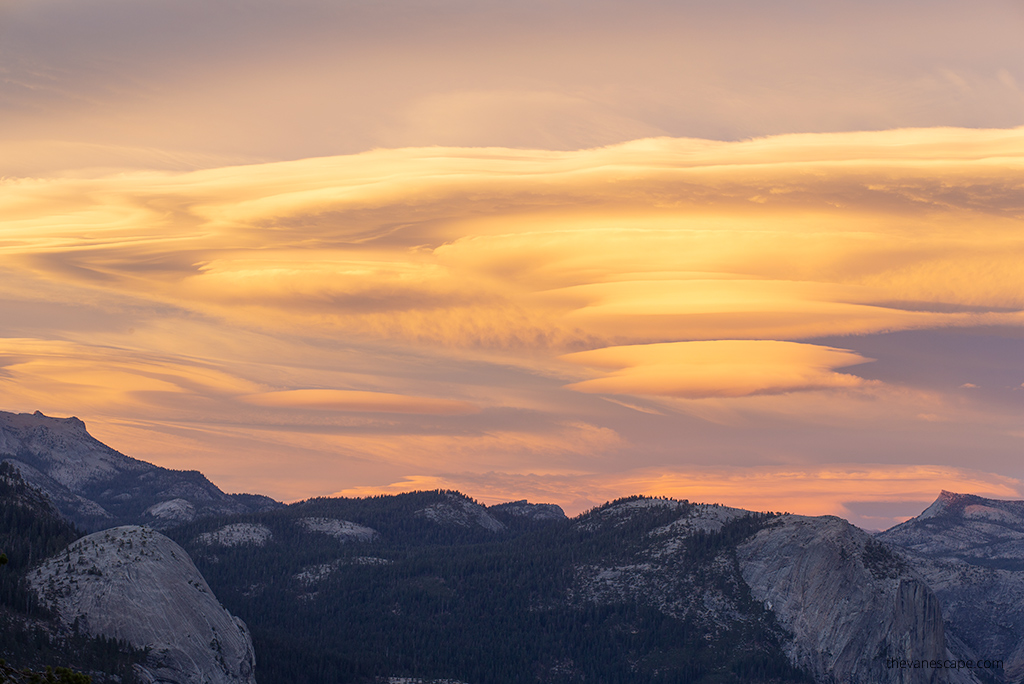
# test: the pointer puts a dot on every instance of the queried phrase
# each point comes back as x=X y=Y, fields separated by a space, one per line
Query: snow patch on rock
x=620 y=513
x=417 y=680
x=627 y=507
x=976 y=512
x=699 y=518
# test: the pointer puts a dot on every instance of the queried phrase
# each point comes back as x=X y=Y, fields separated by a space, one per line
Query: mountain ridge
x=96 y=486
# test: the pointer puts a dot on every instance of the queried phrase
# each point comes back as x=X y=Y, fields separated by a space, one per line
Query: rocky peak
x=953 y=504
x=964 y=526
x=74 y=423
x=96 y=486
x=134 y=584
x=61 y=449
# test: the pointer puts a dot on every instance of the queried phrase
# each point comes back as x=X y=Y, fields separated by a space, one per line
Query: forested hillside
x=427 y=585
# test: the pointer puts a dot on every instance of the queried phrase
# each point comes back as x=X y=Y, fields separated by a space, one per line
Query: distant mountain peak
x=972 y=506
x=945 y=502
x=73 y=421
x=96 y=486
x=971 y=550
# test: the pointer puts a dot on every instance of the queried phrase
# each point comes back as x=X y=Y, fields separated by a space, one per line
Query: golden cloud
x=431 y=281
x=659 y=240
x=721 y=368
x=50 y=374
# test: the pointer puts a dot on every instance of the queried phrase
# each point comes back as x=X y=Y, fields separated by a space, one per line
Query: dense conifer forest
x=465 y=603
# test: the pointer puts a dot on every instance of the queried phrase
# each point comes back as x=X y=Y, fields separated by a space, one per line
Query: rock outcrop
x=97 y=487
x=532 y=511
x=970 y=550
x=134 y=584
x=237 y=534
x=850 y=601
x=460 y=512
x=342 y=530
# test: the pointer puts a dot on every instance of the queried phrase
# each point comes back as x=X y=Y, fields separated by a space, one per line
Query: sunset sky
x=764 y=254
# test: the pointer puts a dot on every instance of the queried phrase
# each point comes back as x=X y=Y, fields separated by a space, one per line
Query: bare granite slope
x=135 y=584
x=849 y=601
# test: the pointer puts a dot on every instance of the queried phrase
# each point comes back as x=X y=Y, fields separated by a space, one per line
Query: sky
x=762 y=254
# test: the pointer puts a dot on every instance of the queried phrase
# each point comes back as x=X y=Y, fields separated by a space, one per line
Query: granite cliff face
x=845 y=601
x=97 y=487
x=849 y=601
x=135 y=584
x=970 y=550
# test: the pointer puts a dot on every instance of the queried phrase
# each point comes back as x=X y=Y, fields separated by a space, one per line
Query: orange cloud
x=722 y=368
x=51 y=374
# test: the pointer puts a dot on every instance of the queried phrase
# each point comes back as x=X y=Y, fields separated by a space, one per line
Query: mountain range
x=435 y=587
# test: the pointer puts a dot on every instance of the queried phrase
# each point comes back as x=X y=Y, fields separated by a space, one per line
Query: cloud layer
x=178 y=84
x=412 y=312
